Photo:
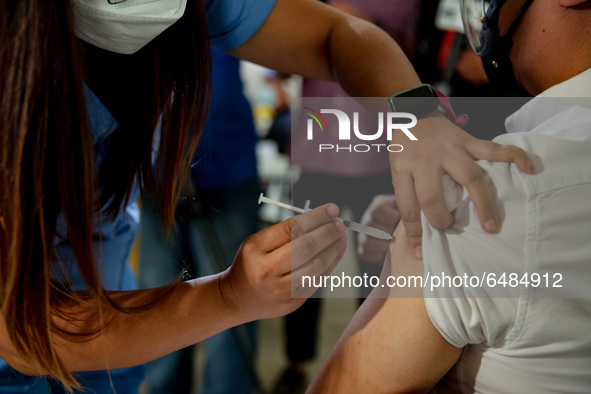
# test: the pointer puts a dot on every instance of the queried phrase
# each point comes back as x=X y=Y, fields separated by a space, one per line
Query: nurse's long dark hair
x=47 y=164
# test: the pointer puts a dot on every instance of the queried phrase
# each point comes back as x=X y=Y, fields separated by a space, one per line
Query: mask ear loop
x=515 y=23
x=505 y=41
x=489 y=19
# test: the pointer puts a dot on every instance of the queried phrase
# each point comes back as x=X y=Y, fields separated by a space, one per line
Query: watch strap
x=459 y=120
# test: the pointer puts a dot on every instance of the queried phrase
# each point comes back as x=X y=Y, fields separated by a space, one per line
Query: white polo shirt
x=518 y=337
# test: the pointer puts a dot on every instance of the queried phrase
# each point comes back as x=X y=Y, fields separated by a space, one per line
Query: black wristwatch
x=419 y=101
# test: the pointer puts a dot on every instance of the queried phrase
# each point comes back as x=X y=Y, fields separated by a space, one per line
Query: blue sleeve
x=233 y=22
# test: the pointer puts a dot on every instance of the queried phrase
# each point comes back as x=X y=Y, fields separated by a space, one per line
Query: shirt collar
x=575 y=91
x=102 y=123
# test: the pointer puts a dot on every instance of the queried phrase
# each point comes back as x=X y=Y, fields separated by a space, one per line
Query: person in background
x=443 y=57
x=510 y=335
x=89 y=103
x=217 y=211
x=445 y=60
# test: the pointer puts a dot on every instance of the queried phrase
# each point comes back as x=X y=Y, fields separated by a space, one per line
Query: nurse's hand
x=382 y=213
x=442 y=148
x=270 y=264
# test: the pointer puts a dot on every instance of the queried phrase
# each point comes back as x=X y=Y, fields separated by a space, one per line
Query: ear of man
x=572 y=3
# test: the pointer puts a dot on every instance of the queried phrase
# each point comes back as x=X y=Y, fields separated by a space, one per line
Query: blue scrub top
x=225 y=157
x=231 y=23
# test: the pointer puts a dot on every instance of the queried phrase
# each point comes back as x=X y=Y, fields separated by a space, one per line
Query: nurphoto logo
x=390 y=122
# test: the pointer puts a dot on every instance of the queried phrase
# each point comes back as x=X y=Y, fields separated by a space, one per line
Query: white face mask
x=124 y=26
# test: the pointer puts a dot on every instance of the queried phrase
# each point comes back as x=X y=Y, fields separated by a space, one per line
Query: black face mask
x=495 y=56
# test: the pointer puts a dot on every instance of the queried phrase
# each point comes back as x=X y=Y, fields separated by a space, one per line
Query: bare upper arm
x=312 y=39
x=293 y=38
x=390 y=345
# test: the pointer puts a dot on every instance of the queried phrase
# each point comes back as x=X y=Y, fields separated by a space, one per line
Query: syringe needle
x=360 y=228
x=371 y=231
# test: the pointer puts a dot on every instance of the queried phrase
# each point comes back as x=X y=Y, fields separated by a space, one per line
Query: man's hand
x=442 y=148
x=382 y=213
x=263 y=280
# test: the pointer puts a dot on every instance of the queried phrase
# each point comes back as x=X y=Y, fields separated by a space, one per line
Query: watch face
x=418 y=101
x=424 y=90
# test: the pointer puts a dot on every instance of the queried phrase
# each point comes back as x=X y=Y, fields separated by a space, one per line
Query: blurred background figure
x=444 y=59
x=333 y=177
x=217 y=211
x=280 y=128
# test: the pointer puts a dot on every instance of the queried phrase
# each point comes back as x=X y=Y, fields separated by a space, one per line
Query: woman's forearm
x=257 y=285
x=192 y=311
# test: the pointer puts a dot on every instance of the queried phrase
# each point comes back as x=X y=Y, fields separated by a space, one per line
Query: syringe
x=371 y=231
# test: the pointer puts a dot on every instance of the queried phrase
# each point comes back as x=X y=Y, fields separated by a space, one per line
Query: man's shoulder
x=560 y=153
